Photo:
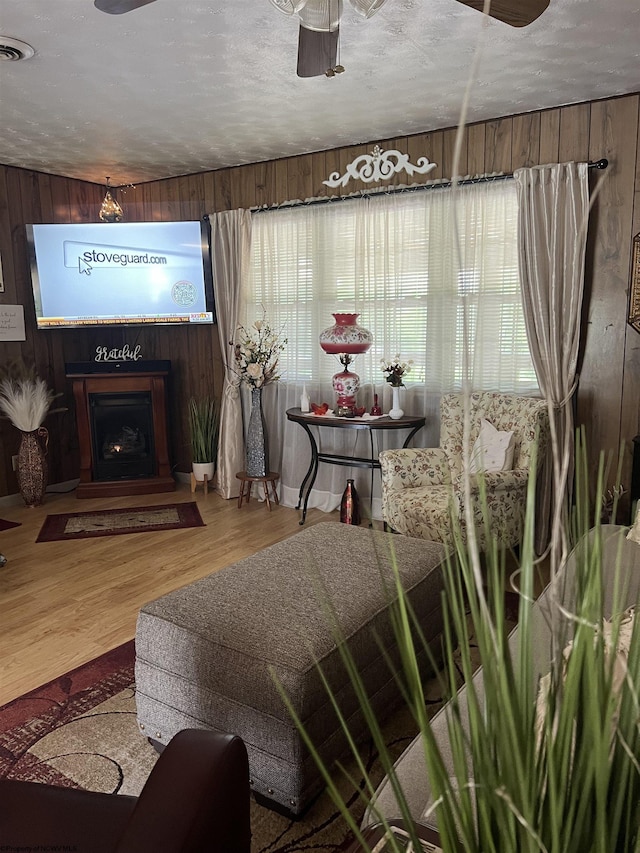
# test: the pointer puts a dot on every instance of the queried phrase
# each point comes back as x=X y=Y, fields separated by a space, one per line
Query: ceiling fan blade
x=516 y=13
x=317 y=52
x=117 y=7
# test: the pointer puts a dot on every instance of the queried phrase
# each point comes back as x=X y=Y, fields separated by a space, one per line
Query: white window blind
x=432 y=274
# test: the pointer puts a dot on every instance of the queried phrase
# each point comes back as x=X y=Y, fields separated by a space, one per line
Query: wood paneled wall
x=609 y=392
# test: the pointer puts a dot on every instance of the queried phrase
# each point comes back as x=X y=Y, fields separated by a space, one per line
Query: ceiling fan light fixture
x=367 y=8
x=319 y=32
x=321 y=16
x=289 y=7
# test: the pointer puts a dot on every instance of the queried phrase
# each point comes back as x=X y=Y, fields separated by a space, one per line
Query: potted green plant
x=549 y=765
x=204 y=426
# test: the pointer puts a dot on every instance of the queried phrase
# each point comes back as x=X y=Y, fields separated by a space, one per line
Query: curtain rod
x=435 y=185
x=600 y=164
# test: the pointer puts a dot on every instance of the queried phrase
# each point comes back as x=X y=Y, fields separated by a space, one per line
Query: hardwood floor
x=64 y=603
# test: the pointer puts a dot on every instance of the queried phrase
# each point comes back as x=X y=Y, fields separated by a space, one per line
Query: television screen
x=107 y=274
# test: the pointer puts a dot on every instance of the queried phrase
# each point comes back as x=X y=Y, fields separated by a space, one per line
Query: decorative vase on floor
x=257 y=465
x=32 y=466
x=395 y=411
x=350 y=505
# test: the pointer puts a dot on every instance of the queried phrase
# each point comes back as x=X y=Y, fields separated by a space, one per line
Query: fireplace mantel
x=93 y=379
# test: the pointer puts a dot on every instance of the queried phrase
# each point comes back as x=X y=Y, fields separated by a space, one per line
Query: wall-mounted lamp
x=110 y=210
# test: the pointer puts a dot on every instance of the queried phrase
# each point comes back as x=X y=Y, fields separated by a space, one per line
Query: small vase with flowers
x=394 y=373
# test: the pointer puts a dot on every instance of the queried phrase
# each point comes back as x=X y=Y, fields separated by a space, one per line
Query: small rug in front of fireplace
x=111 y=522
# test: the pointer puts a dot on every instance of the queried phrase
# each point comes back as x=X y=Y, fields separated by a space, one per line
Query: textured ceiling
x=183 y=86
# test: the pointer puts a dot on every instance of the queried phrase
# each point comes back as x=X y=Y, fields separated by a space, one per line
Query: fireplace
x=122 y=428
x=122 y=435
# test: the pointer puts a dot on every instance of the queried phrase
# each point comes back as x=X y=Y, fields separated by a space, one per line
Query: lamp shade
x=345 y=336
x=322 y=16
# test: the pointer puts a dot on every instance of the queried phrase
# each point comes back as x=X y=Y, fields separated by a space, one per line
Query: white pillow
x=493 y=450
x=620 y=650
x=634 y=533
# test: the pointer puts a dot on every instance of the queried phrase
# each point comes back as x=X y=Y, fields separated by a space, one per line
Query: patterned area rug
x=80 y=731
x=111 y=522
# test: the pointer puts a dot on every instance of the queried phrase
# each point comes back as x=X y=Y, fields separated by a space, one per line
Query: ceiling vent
x=13 y=50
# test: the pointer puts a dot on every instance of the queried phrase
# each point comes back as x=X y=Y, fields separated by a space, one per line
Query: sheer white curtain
x=395 y=260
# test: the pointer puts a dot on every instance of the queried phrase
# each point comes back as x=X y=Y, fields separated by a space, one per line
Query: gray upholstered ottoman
x=204 y=653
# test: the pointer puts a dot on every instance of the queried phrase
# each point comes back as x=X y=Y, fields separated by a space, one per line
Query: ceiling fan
x=320 y=24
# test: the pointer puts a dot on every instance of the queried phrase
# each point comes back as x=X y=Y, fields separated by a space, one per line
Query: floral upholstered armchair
x=423 y=489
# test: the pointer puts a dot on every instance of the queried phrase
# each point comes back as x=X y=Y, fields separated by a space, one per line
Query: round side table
x=246 y=482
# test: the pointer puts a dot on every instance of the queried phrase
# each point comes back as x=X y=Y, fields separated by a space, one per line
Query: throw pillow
x=493 y=450
x=634 y=533
x=624 y=629
x=622 y=646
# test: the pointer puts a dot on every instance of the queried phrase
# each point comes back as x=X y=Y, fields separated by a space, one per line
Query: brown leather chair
x=196 y=800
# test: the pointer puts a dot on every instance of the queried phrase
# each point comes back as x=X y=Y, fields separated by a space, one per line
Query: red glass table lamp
x=346 y=339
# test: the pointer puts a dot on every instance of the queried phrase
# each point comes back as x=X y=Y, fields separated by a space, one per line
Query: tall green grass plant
x=561 y=779
x=204 y=425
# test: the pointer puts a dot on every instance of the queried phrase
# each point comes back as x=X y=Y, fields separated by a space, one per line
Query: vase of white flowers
x=394 y=372
x=257 y=352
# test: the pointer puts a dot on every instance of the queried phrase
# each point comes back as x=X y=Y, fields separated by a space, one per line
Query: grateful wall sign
x=124 y=353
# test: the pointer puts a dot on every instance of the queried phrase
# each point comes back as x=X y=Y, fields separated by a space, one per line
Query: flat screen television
x=120 y=273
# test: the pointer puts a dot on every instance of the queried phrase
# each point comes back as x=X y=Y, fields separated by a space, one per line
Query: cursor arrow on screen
x=83 y=267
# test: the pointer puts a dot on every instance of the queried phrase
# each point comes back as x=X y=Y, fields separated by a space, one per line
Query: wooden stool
x=246 y=483
x=195 y=482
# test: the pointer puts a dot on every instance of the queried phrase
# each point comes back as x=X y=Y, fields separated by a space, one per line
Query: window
x=432 y=274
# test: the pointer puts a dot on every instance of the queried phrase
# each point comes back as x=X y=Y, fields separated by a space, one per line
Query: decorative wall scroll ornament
x=125 y=353
x=378 y=166
x=634 y=286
